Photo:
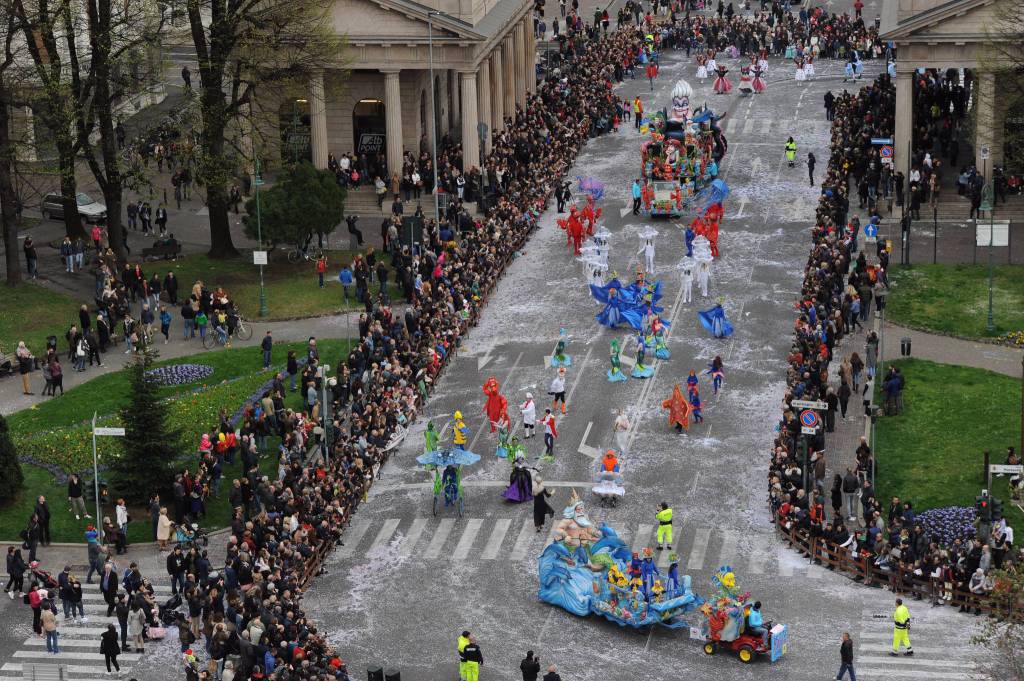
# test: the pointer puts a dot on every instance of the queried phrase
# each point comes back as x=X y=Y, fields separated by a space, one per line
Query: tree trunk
x=69 y=189
x=221 y=244
x=8 y=197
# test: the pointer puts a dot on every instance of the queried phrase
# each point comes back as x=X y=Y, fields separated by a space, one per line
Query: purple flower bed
x=180 y=374
x=948 y=524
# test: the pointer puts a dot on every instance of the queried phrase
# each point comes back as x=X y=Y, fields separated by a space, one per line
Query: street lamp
x=257 y=183
x=433 y=113
x=988 y=203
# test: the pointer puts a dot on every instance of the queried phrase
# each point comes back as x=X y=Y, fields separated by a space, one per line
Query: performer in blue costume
x=690 y=236
x=640 y=370
x=715 y=322
x=620 y=305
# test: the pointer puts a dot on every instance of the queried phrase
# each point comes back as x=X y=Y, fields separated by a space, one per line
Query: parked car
x=89 y=209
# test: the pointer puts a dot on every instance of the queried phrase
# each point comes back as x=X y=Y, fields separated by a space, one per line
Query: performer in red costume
x=496 y=406
x=573 y=227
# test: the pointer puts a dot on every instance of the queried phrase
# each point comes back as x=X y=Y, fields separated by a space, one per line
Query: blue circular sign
x=809 y=418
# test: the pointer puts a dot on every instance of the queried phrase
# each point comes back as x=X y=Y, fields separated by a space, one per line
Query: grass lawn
x=292 y=289
x=954 y=298
x=57 y=432
x=931 y=454
x=30 y=313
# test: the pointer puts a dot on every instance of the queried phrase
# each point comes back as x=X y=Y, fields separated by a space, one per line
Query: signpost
x=100 y=432
x=870 y=233
x=809 y=422
x=809 y=404
x=886 y=154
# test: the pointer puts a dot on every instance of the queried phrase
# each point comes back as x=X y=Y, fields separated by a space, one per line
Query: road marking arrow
x=586 y=449
x=743 y=201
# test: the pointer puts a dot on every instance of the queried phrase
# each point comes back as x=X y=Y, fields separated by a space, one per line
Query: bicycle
x=299 y=254
x=243 y=330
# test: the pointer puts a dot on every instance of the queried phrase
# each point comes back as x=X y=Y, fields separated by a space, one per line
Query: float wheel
x=709 y=648
x=746 y=654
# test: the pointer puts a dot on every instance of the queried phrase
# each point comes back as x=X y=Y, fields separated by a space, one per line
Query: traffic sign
x=1005 y=468
x=809 y=418
x=885 y=151
x=809 y=404
x=259 y=257
x=117 y=432
x=881 y=140
x=985 y=152
x=871 y=229
x=808 y=431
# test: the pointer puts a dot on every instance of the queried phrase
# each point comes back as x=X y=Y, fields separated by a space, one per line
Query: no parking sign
x=809 y=422
x=886 y=153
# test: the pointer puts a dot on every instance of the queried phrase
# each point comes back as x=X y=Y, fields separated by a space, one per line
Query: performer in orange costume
x=496 y=406
x=678 y=410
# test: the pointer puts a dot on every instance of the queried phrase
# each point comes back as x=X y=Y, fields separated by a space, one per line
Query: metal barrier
x=30 y=671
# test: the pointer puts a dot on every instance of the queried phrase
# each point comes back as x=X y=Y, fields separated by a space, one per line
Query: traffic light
x=997 y=510
x=982 y=504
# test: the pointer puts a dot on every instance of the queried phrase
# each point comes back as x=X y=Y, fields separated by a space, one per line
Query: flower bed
x=948 y=524
x=180 y=374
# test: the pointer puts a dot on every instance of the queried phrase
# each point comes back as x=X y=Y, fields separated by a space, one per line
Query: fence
x=861 y=568
x=935 y=239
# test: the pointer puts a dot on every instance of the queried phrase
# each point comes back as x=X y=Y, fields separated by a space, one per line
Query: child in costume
x=560 y=359
x=692 y=384
x=461 y=432
x=648 y=571
x=529 y=411
x=615 y=373
x=678 y=411
x=430 y=438
x=759 y=75
x=695 y=408
x=640 y=370
x=672 y=580
x=717 y=373
x=687 y=276
x=557 y=389
x=702 y=67
x=722 y=85
x=703 y=278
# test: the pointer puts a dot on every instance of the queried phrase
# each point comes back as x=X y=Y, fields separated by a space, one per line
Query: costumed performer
x=557 y=389
x=520 y=483
x=678 y=411
x=504 y=450
x=672 y=582
x=712 y=64
x=722 y=85
x=703 y=277
x=640 y=370
x=689 y=235
x=695 y=408
x=496 y=406
x=800 y=74
x=560 y=359
x=717 y=372
x=702 y=67
x=746 y=86
x=529 y=411
x=648 y=571
x=647 y=249
x=615 y=373
x=460 y=432
x=621 y=428
x=541 y=508
x=430 y=438
x=687 y=276
x=692 y=383
x=715 y=322
x=758 y=82
x=809 y=67
x=658 y=331
x=619 y=305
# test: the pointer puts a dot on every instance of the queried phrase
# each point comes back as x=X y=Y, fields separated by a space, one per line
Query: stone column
x=497 y=91
x=904 y=122
x=519 y=45
x=393 y=122
x=483 y=94
x=989 y=125
x=470 y=137
x=531 y=55
x=318 y=120
x=508 y=61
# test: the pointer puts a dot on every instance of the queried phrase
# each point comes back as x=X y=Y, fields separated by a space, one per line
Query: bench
x=162 y=252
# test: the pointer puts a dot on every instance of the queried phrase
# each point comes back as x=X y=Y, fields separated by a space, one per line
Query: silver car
x=90 y=210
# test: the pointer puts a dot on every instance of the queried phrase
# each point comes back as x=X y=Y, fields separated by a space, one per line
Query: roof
x=892 y=28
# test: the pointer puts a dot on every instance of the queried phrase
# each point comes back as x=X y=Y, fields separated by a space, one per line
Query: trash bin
x=392 y=675
x=905 y=346
x=374 y=674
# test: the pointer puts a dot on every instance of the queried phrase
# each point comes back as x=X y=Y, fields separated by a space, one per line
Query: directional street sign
x=117 y=432
x=1006 y=468
x=809 y=404
x=871 y=229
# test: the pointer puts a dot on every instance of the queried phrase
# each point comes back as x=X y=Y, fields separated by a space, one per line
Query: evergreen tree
x=10 y=469
x=150 y=445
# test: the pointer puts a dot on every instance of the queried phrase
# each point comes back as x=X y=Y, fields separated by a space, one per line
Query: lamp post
x=257 y=183
x=433 y=113
x=98 y=432
x=987 y=203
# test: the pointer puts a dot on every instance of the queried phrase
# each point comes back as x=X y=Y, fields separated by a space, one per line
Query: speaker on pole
x=411 y=231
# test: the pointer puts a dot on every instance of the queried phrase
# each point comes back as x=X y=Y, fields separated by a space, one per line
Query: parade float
x=589 y=570
x=681 y=157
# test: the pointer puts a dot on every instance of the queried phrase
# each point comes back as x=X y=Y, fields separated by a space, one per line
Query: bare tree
x=243 y=46
x=8 y=196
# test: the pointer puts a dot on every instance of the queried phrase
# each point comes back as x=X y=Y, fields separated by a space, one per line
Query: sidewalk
x=1002 y=359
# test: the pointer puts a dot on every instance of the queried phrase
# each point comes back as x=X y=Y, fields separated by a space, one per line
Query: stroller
x=44 y=579
x=169 y=610
x=188 y=535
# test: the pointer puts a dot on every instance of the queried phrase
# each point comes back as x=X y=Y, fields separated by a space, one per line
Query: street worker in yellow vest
x=901 y=629
x=664 y=517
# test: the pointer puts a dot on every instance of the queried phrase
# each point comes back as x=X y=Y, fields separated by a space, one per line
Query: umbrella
x=648 y=232
x=687 y=263
x=602 y=232
x=448 y=457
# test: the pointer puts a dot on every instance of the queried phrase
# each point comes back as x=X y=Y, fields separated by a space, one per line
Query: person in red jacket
x=550 y=433
x=321 y=267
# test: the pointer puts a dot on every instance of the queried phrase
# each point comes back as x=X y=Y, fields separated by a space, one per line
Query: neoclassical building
x=484 y=64
x=952 y=34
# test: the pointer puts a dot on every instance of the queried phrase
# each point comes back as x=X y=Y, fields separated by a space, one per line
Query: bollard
x=905 y=346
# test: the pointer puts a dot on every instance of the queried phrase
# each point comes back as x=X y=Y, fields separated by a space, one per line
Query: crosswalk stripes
x=525 y=537
x=493 y=545
x=748 y=126
x=438 y=540
x=928 y=662
x=412 y=536
x=766 y=126
x=352 y=536
x=515 y=538
x=730 y=126
x=700 y=548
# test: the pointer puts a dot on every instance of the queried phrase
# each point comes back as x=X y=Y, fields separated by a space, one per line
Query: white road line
x=758 y=557
x=889 y=673
x=579 y=373
x=70 y=657
x=412 y=536
x=730 y=125
x=77 y=669
x=385 y=533
x=584 y=448
x=700 y=548
x=643 y=538
x=494 y=541
x=523 y=540
x=469 y=534
x=727 y=553
x=63 y=642
x=748 y=126
x=352 y=537
x=444 y=528
x=883 y=649
x=766 y=126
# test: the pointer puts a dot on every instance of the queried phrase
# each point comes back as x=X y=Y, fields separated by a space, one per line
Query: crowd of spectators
x=885 y=538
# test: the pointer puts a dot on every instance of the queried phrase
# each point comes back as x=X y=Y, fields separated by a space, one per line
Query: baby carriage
x=168 y=613
x=44 y=579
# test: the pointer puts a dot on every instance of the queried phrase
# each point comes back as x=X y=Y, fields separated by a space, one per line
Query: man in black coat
x=42 y=511
x=530 y=667
x=108 y=586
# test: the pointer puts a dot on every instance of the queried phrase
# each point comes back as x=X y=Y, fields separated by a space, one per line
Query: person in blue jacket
x=345 y=277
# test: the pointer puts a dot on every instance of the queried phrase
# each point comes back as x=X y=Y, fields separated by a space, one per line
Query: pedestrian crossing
x=516 y=539
x=933 y=658
x=764 y=126
x=79 y=643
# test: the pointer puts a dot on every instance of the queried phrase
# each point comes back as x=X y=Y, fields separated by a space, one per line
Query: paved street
x=479 y=572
